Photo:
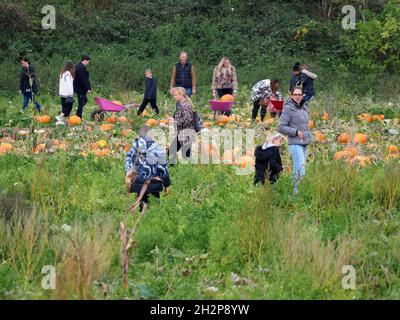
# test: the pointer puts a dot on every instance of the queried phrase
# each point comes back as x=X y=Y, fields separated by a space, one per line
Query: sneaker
x=60 y=123
x=60 y=118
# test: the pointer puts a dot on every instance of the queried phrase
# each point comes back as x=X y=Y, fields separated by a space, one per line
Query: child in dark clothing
x=150 y=94
x=268 y=158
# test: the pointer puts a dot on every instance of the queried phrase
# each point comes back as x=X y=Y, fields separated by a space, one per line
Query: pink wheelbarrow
x=224 y=106
x=106 y=106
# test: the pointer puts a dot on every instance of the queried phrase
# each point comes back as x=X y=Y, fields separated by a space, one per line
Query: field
x=215 y=236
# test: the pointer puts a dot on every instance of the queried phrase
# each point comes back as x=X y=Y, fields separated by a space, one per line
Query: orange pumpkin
x=164 y=121
x=122 y=119
x=111 y=120
x=344 y=138
x=245 y=161
x=5 y=147
x=310 y=124
x=101 y=152
x=43 y=119
x=74 y=121
x=352 y=150
x=377 y=117
x=227 y=98
x=360 y=138
x=126 y=132
x=319 y=136
x=151 y=122
x=207 y=124
x=325 y=116
x=344 y=154
x=38 y=148
x=393 y=149
x=361 y=160
x=221 y=120
x=364 y=117
x=106 y=127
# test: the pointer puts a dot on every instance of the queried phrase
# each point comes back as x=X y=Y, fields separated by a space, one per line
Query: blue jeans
x=27 y=97
x=189 y=92
x=298 y=153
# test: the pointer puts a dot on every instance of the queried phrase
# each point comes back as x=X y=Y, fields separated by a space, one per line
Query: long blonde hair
x=182 y=91
x=221 y=69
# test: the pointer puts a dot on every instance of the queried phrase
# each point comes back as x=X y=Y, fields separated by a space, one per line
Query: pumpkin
x=393 y=149
x=106 y=127
x=74 y=121
x=127 y=147
x=43 y=119
x=377 y=117
x=101 y=152
x=361 y=160
x=344 y=138
x=221 y=120
x=56 y=142
x=227 y=157
x=164 y=121
x=319 y=136
x=352 y=150
x=245 y=161
x=364 y=117
x=111 y=120
x=207 y=124
x=325 y=116
x=145 y=113
x=310 y=124
x=360 y=138
x=5 y=147
x=227 y=98
x=102 y=143
x=127 y=132
x=151 y=122
x=344 y=154
x=40 y=147
x=122 y=119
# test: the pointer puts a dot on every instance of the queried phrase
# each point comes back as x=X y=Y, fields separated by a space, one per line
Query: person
x=261 y=94
x=28 y=84
x=183 y=75
x=82 y=83
x=301 y=77
x=150 y=94
x=146 y=163
x=276 y=95
x=66 y=92
x=294 y=123
x=184 y=123
x=268 y=158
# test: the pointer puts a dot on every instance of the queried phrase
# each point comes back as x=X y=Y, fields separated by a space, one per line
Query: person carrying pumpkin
x=28 y=84
x=224 y=80
x=261 y=94
x=183 y=122
x=146 y=169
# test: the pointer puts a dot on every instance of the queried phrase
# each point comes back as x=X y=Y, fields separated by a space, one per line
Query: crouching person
x=146 y=170
x=268 y=158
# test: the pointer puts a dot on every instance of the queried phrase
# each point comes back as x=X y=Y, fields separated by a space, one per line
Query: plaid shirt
x=225 y=81
x=184 y=122
x=261 y=90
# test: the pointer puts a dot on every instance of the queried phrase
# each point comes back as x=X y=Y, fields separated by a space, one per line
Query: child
x=268 y=157
x=146 y=169
x=150 y=94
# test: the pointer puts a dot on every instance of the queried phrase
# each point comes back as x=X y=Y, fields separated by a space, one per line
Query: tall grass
x=387 y=185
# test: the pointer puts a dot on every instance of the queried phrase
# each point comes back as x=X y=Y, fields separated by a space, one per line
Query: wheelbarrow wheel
x=97 y=115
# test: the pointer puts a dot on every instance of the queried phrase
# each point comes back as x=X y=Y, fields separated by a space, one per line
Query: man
x=183 y=75
x=304 y=79
x=28 y=84
x=82 y=84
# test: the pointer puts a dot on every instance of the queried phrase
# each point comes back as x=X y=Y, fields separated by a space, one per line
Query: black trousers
x=82 y=100
x=143 y=106
x=145 y=199
x=66 y=107
x=175 y=146
x=222 y=92
x=256 y=107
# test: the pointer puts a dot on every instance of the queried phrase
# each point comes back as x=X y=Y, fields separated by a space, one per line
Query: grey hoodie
x=295 y=117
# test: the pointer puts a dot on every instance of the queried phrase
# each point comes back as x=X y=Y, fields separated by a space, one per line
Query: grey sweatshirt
x=295 y=117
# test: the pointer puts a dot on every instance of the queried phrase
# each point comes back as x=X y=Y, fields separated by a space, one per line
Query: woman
x=294 y=123
x=261 y=94
x=224 y=80
x=183 y=119
x=66 y=92
x=146 y=169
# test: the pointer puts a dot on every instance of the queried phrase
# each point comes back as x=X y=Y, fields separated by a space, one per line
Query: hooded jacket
x=295 y=117
x=267 y=158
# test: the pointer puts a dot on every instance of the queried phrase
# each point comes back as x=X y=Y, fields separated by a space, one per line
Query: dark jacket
x=183 y=75
x=151 y=89
x=267 y=159
x=295 y=117
x=304 y=81
x=24 y=85
x=81 y=81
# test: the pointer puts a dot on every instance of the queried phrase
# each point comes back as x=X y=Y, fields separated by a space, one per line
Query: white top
x=66 y=85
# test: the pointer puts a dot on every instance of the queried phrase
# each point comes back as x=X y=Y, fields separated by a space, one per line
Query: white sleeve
x=309 y=74
x=70 y=85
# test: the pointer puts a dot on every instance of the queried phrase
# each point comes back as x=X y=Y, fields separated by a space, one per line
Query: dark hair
x=297 y=66
x=296 y=88
x=69 y=66
x=85 y=57
x=26 y=60
x=274 y=85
